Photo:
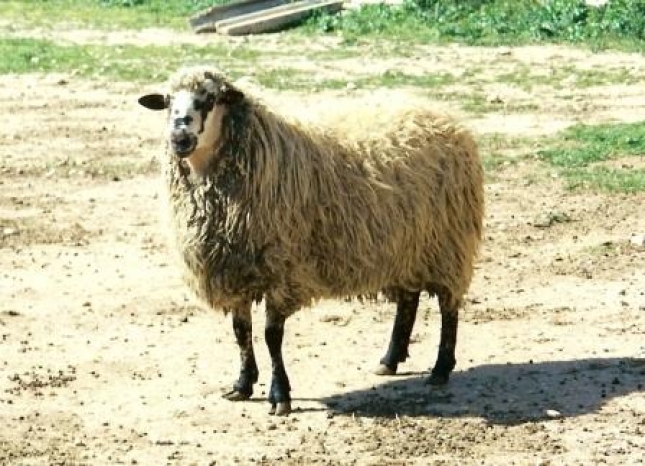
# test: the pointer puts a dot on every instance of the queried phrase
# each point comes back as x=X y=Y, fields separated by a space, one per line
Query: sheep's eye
x=206 y=104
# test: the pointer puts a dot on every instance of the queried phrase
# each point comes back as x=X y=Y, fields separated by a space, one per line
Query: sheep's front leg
x=407 y=304
x=279 y=394
x=243 y=388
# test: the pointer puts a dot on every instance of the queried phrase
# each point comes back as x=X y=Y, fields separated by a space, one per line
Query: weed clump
x=494 y=22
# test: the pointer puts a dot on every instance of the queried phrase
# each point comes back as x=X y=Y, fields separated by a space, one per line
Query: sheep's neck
x=200 y=160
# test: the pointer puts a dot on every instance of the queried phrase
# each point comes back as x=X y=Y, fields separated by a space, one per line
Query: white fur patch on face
x=183 y=112
x=189 y=112
x=194 y=122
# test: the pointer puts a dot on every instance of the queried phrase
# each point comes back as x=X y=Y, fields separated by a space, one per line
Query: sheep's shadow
x=501 y=393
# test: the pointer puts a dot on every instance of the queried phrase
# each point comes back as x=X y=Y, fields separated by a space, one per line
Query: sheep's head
x=197 y=100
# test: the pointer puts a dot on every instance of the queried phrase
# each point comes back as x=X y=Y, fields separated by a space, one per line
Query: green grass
x=154 y=63
x=125 y=63
x=582 y=145
x=286 y=78
x=526 y=78
x=494 y=162
x=600 y=77
x=620 y=23
x=504 y=144
x=104 y=14
x=397 y=78
x=479 y=104
x=501 y=151
x=580 y=151
x=373 y=21
x=607 y=179
x=145 y=63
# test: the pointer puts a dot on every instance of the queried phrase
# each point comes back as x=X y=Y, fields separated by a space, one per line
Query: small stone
x=9 y=231
x=637 y=240
x=552 y=413
x=548 y=219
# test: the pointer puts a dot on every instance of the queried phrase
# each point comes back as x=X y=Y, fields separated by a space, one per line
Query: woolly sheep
x=265 y=208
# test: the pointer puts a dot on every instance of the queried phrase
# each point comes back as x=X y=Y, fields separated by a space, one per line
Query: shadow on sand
x=501 y=393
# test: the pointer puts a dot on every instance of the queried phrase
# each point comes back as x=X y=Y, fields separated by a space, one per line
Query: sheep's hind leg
x=407 y=304
x=446 y=361
x=279 y=394
x=242 y=326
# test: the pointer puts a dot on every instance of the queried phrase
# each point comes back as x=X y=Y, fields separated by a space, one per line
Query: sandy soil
x=105 y=358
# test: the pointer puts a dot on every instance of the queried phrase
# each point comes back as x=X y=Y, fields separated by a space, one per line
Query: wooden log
x=206 y=20
x=276 y=18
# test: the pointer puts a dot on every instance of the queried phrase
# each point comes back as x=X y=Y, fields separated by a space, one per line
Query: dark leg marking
x=279 y=394
x=406 y=311
x=242 y=326
x=446 y=357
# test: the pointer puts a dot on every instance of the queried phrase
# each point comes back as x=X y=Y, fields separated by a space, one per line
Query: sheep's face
x=192 y=120
x=195 y=112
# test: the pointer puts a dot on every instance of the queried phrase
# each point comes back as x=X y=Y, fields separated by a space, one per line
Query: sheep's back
x=405 y=209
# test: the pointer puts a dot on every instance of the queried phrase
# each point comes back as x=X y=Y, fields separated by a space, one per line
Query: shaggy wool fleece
x=295 y=213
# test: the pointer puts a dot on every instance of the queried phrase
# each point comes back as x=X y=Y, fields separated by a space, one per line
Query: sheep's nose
x=179 y=135
x=183 y=121
x=182 y=142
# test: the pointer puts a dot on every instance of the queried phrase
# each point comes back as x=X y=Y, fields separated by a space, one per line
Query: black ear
x=154 y=101
x=229 y=95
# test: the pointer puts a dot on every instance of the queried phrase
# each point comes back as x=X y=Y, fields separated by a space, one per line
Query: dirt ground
x=106 y=359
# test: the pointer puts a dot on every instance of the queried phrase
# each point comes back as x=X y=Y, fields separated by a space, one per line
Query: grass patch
x=477 y=103
x=505 y=144
x=607 y=179
x=582 y=145
x=125 y=63
x=500 y=151
x=379 y=20
x=495 y=162
x=619 y=23
x=396 y=79
x=581 y=148
x=599 y=77
x=103 y=14
x=297 y=80
x=155 y=63
x=525 y=78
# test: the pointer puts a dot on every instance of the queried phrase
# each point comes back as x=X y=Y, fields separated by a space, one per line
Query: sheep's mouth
x=183 y=145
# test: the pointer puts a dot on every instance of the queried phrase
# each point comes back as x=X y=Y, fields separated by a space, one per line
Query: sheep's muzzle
x=183 y=143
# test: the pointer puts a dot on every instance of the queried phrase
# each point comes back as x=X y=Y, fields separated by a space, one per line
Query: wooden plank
x=276 y=18
x=205 y=20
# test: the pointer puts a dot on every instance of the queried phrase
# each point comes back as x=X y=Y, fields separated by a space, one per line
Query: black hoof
x=437 y=380
x=282 y=408
x=235 y=395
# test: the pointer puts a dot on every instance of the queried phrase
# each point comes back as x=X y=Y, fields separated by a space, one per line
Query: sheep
x=265 y=208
